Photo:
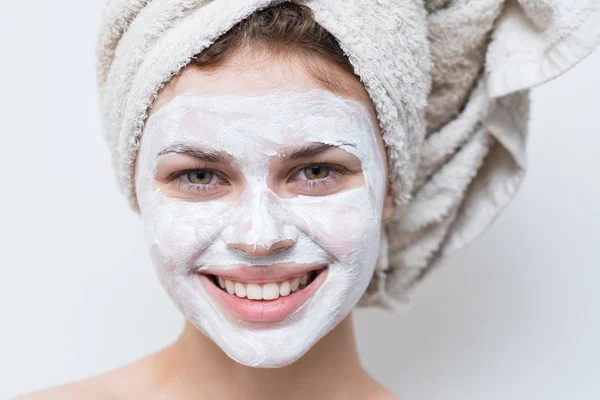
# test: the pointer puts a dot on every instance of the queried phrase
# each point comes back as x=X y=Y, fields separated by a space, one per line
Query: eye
x=319 y=179
x=316 y=172
x=199 y=177
x=198 y=183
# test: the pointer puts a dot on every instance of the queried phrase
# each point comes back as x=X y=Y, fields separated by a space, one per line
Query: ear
x=388 y=204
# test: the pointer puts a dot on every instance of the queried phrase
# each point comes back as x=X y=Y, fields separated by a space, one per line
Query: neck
x=197 y=368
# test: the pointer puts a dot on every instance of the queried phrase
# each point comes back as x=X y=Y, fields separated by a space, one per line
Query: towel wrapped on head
x=449 y=80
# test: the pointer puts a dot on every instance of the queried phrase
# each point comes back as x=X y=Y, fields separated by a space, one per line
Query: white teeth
x=266 y=291
x=270 y=291
x=254 y=291
x=230 y=286
x=295 y=283
x=240 y=290
x=284 y=288
x=303 y=279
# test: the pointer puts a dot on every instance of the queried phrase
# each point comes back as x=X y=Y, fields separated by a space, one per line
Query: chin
x=273 y=344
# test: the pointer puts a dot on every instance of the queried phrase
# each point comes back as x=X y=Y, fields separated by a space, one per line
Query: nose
x=261 y=250
x=258 y=228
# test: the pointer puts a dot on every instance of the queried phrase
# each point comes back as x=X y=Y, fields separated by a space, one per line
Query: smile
x=266 y=301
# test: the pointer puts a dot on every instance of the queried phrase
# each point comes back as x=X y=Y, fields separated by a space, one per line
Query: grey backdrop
x=515 y=315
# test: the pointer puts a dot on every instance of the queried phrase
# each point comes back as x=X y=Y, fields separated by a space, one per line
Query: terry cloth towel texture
x=449 y=80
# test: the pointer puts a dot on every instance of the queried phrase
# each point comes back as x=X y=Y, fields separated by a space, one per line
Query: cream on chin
x=339 y=230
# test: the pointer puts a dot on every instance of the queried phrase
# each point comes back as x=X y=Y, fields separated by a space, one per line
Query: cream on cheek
x=341 y=229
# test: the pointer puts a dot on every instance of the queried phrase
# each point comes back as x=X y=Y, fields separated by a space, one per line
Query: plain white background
x=515 y=315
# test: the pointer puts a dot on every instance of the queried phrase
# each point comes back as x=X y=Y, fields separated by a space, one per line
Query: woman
x=270 y=173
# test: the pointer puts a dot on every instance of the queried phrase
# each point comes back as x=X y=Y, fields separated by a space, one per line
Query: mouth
x=264 y=301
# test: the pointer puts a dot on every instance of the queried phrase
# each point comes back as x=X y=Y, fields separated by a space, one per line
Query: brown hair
x=283 y=30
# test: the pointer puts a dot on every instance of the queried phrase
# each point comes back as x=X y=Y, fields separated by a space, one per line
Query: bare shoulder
x=374 y=390
x=388 y=396
x=384 y=394
x=88 y=389
x=121 y=383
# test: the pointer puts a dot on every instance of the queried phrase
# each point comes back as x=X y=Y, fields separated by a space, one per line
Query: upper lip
x=262 y=273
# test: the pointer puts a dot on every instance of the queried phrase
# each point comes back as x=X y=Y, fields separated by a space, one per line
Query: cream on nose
x=258 y=228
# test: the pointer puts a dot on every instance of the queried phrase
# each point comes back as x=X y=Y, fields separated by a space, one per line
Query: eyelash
x=335 y=171
x=207 y=189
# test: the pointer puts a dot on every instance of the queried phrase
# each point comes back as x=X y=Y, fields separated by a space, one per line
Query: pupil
x=316 y=172
x=199 y=177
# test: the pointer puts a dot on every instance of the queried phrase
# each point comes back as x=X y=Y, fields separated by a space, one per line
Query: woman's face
x=262 y=196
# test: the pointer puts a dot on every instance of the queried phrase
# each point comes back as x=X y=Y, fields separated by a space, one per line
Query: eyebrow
x=212 y=156
x=309 y=150
x=221 y=157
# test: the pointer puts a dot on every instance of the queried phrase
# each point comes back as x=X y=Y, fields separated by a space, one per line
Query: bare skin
x=194 y=367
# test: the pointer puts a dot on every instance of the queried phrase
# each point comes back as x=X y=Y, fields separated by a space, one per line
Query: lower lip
x=262 y=310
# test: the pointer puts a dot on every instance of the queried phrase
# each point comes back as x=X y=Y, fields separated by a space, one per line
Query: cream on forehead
x=271 y=120
x=342 y=229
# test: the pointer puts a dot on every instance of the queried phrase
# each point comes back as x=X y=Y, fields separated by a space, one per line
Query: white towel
x=449 y=80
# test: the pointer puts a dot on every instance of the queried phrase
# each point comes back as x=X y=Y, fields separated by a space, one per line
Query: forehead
x=268 y=120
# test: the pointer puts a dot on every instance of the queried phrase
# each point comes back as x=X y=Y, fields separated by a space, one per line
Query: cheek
x=345 y=224
x=178 y=232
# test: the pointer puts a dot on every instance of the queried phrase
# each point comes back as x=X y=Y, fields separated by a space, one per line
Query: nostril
x=262 y=250
x=282 y=244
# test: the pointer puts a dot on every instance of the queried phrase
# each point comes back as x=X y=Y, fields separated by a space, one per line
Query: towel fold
x=449 y=80
x=486 y=56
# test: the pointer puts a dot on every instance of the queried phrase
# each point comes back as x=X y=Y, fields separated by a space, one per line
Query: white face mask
x=188 y=234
